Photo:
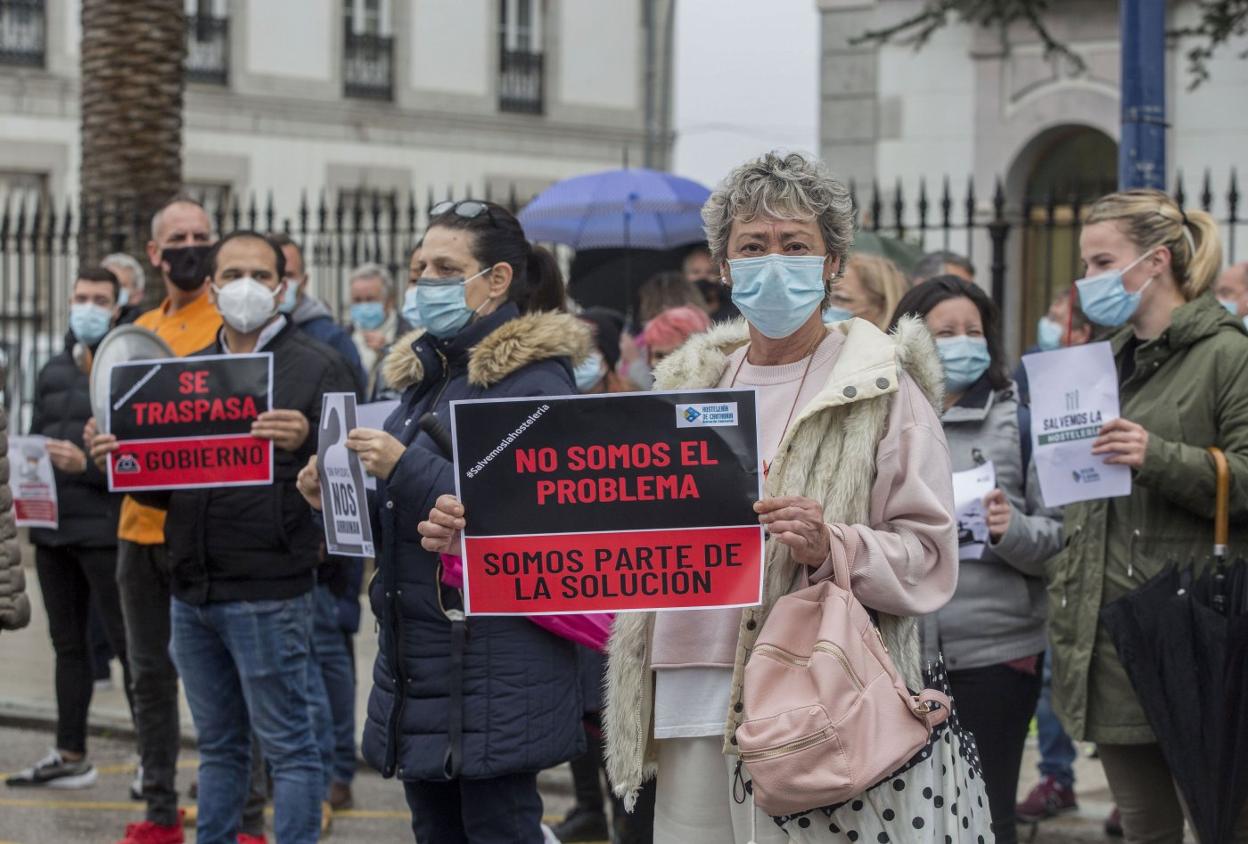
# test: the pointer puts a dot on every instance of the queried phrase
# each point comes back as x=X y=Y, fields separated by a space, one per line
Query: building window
x=368 y=51
x=521 y=70
x=207 y=42
x=22 y=32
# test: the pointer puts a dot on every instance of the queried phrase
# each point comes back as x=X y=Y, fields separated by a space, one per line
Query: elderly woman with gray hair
x=856 y=465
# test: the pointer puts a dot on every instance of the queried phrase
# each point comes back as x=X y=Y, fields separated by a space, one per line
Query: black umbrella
x=1183 y=640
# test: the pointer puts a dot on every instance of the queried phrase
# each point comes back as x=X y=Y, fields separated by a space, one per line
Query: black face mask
x=186 y=265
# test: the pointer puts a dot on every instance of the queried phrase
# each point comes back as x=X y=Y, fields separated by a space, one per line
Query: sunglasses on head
x=467 y=209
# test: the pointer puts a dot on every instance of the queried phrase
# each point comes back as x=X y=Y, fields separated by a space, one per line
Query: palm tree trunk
x=132 y=54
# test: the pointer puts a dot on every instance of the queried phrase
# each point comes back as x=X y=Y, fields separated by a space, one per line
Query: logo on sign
x=706 y=415
x=127 y=464
x=1086 y=476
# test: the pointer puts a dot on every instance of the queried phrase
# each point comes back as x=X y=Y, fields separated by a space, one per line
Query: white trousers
x=694 y=803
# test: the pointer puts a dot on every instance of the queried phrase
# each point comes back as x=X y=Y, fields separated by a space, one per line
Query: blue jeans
x=244 y=665
x=337 y=667
x=1057 y=751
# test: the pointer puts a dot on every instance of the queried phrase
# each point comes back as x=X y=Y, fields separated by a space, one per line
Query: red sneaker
x=1047 y=800
x=1113 y=824
x=244 y=838
x=147 y=832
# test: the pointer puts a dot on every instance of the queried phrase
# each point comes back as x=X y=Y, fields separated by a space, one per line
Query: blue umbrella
x=632 y=208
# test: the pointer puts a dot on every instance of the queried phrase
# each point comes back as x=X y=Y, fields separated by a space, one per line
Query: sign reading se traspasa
x=186 y=422
x=611 y=503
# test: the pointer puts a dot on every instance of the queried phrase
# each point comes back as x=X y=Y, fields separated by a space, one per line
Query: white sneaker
x=52 y=771
x=136 y=785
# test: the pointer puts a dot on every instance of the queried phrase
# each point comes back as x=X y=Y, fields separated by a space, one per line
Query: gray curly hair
x=787 y=187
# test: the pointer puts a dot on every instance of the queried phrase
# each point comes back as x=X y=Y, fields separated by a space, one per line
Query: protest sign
x=610 y=503
x=969 y=489
x=344 y=500
x=32 y=482
x=186 y=422
x=1074 y=392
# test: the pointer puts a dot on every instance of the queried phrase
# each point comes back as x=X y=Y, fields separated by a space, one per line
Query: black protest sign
x=609 y=503
x=344 y=500
x=186 y=422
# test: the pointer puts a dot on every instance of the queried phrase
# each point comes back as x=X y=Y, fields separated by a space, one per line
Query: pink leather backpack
x=827 y=714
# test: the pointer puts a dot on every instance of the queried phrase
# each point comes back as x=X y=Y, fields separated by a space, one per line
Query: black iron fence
x=1026 y=252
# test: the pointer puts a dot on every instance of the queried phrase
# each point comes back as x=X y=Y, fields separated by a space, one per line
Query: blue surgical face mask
x=1232 y=307
x=368 y=315
x=835 y=314
x=123 y=296
x=1048 y=334
x=777 y=293
x=89 y=322
x=411 y=310
x=965 y=360
x=441 y=304
x=290 y=298
x=1105 y=300
x=590 y=371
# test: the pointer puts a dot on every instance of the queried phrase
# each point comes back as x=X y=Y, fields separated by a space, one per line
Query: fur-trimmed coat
x=519 y=697
x=829 y=454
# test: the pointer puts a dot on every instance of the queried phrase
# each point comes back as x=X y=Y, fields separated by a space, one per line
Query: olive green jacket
x=1189 y=390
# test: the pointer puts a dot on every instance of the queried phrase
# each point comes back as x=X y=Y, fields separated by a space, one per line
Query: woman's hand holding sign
x=440 y=534
x=997 y=512
x=288 y=429
x=1124 y=441
x=379 y=452
x=798 y=523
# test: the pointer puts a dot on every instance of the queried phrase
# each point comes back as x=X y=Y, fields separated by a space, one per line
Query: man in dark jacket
x=243 y=562
x=77 y=563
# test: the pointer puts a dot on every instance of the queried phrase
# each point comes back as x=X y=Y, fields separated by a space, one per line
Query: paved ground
x=27 y=707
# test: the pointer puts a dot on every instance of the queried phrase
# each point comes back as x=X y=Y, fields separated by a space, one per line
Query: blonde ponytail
x=1150 y=218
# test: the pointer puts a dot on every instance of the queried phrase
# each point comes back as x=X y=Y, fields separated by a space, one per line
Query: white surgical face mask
x=246 y=304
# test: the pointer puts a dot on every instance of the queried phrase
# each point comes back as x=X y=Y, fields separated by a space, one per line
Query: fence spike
x=1232 y=198
x=922 y=204
x=411 y=209
x=68 y=227
x=322 y=213
x=877 y=205
x=899 y=210
x=489 y=191
x=513 y=204
x=36 y=223
x=1206 y=192
x=49 y=231
x=269 y=213
x=303 y=213
x=970 y=202
x=236 y=212
x=1180 y=196
x=998 y=201
x=1050 y=206
x=946 y=204
x=5 y=225
x=252 y=213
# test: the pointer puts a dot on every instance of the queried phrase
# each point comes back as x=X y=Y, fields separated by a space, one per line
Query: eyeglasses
x=467 y=209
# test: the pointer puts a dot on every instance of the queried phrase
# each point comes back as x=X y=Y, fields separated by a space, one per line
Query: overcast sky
x=747 y=80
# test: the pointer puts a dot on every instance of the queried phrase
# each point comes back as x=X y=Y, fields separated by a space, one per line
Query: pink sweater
x=896 y=563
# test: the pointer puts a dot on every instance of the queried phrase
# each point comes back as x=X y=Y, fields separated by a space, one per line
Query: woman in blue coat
x=465 y=711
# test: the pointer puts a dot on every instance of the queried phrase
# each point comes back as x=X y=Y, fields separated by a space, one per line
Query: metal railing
x=23 y=32
x=207 y=49
x=520 y=82
x=368 y=66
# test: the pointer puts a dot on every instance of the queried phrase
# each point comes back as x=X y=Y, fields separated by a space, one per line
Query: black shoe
x=52 y=771
x=582 y=825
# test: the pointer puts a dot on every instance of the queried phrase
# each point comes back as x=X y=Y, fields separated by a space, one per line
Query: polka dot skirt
x=938 y=796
